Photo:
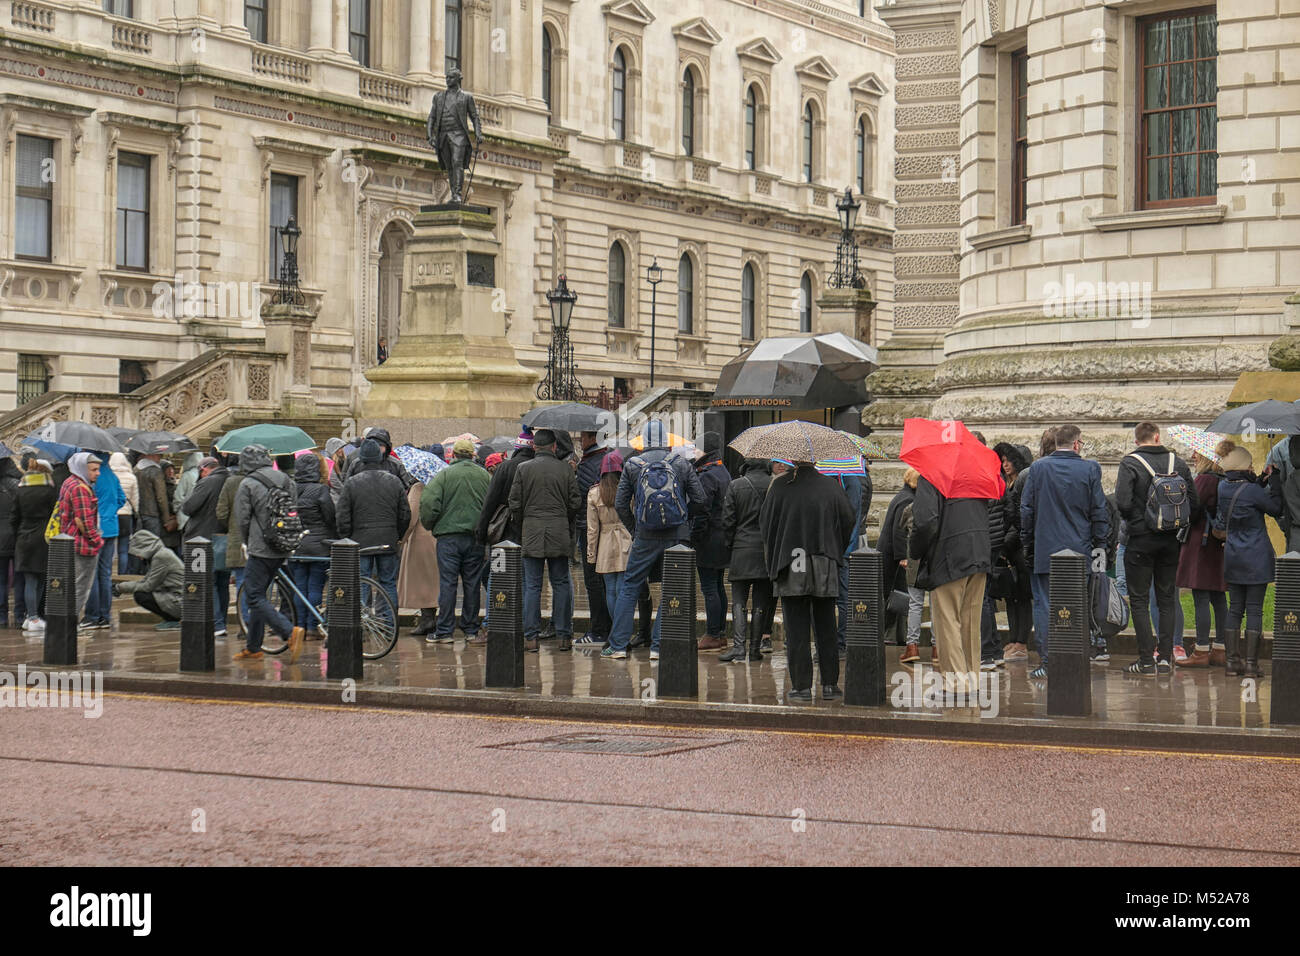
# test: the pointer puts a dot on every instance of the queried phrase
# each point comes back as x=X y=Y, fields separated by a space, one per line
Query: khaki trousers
x=955 y=616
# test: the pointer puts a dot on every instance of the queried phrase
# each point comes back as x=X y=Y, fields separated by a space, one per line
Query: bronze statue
x=448 y=132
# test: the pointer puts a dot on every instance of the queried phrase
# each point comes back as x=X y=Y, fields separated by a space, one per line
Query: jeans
x=612 y=582
x=124 y=529
x=802 y=615
x=1121 y=580
x=309 y=578
x=1153 y=559
x=460 y=561
x=645 y=554
x=258 y=574
x=596 y=598
x=561 y=595
x=383 y=568
x=33 y=593
x=87 y=571
x=715 y=600
x=1204 y=601
x=1040 y=585
x=100 y=607
x=1246 y=600
x=220 y=599
x=238 y=574
x=915 y=605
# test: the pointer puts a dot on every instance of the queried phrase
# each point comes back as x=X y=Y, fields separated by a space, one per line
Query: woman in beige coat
x=608 y=540
x=417 y=578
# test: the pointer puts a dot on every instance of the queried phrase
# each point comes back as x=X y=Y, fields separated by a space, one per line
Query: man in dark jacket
x=748 y=569
x=1062 y=507
x=593 y=454
x=1151 y=554
x=950 y=539
x=544 y=498
x=711 y=556
x=649 y=544
x=498 y=493
x=374 y=512
x=449 y=506
x=253 y=518
x=9 y=478
x=155 y=503
x=200 y=511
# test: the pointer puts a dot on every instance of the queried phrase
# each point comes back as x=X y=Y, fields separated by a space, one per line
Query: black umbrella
x=87 y=437
x=569 y=417
x=122 y=434
x=161 y=443
x=798 y=371
x=502 y=443
x=1269 y=415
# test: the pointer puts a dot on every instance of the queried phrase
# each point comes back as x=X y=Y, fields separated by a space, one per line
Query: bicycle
x=378 y=614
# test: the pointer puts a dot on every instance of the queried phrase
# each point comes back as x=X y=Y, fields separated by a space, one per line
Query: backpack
x=283 y=528
x=1109 y=612
x=54 y=526
x=1168 y=508
x=660 y=503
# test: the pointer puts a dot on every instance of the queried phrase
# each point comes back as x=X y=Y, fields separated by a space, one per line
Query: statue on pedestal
x=448 y=132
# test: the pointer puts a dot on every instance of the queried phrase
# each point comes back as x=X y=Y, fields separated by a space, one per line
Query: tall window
x=255 y=19
x=619 y=104
x=688 y=112
x=1019 y=134
x=805 y=303
x=547 y=75
x=284 y=203
x=747 y=303
x=751 y=128
x=33 y=378
x=359 y=30
x=133 y=212
x=121 y=8
x=860 y=143
x=617 y=285
x=685 y=295
x=1179 y=108
x=453 y=36
x=808 y=142
x=34 y=198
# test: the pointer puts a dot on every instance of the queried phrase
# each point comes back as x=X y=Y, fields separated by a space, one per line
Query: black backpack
x=1168 y=503
x=283 y=528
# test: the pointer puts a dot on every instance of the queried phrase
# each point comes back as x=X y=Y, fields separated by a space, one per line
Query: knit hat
x=464 y=448
x=493 y=460
x=612 y=463
x=525 y=439
x=1237 y=460
x=332 y=446
x=371 y=451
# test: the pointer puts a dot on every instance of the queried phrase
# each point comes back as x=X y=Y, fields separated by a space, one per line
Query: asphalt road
x=173 y=781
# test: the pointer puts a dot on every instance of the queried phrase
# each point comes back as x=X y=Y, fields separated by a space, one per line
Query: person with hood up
x=1019 y=600
x=316 y=512
x=807 y=524
x=373 y=511
x=159 y=591
x=200 y=510
x=29 y=514
x=388 y=461
x=10 y=476
x=79 y=518
x=743 y=540
x=263 y=559
x=108 y=490
x=336 y=457
x=127 y=515
x=184 y=485
x=709 y=542
x=234 y=548
x=449 y=507
x=155 y=506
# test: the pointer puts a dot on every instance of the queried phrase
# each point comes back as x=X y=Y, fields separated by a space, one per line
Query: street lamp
x=846 y=274
x=561 y=381
x=288 y=292
x=654 y=275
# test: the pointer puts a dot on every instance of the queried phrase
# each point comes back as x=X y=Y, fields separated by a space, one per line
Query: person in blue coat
x=99 y=607
x=1247 y=555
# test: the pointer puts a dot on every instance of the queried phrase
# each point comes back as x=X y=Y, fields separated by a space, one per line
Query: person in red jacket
x=79 y=517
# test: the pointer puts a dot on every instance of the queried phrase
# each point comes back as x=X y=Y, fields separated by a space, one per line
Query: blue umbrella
x=421 y=464
x=51 y=451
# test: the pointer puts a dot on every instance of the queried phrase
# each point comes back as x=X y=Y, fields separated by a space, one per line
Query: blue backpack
x=660 y=504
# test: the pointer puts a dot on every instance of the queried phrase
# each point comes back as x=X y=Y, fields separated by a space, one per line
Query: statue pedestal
x=848 y=311
x=288 y=333
x=453 y=362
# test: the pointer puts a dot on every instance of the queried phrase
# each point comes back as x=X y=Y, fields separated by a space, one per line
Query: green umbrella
x=278 y=439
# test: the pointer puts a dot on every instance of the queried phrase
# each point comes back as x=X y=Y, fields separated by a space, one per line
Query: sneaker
x=989 y=665
x=615 y=655
x=442 y=638
x=1039 y=672
x=1100 y=655
x=1180 y=653
x=247 y=655
x=1142 y=670
x=33 y=625
x=1016 y=652
x=766 y=645
x=167 y=626
x=432 y=639
x=219 y=632
x=801 y=695
x=831 y=692
x=654 y=655
x=477 y=640
x=590 y=640
x=910 y=653
x=85 y=627
x=1164 y=667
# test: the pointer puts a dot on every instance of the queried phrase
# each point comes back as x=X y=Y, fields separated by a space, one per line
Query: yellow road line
x=815 y=734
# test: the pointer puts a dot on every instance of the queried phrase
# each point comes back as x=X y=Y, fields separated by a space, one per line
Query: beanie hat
x=464 y=448
x=525 y=439
x=611 y=463
x=370 y=451
x=493 y=460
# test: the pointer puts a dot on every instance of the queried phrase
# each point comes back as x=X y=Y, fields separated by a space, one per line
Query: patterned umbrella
x=794 y=441
x=421 y=464
x=448 y=442
x=841 y=466
x=1197 y=439
x=869 y=448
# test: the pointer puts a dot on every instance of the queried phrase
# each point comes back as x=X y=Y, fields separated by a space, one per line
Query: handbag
x=1002 y=582
x=219 y=552
x=496 y=529
x=898 y=603
x=54 y=525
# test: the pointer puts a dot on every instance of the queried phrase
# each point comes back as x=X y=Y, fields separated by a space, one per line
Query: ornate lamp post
x=846 y=274
x=654 y=275
x=288 y=292
x=561 y=381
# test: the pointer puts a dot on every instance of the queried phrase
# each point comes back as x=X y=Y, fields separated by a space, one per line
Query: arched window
x=619 y=106
x=685 y=295
x=861 y=142
x=617 y=285
x=808 y=142
x=547 y=74
x=747 y=303
x=751 y=128
x=805 y=302
x=688 y=112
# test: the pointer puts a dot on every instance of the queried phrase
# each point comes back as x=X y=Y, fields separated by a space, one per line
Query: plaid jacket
x=77 y=500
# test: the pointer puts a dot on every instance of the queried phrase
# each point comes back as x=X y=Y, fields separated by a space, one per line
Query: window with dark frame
x=133 y=211
x=120 y=8
x=861 y=165
x=688 y=112
x=685 y=295
x=805 y=302
x=359 y=31
x=617 y=286
x=1178 y=109
x=284 y=203
x=131 y=375
x=546 y=75
x=1019 y=134
x=34 y=199
x=619 y=105
x=33 y=378
x=808 y=142
x=751 y=128
x=255 y=19
x=452 y=37
x=747 y=303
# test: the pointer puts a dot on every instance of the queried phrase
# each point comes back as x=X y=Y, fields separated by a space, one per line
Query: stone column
x=340 y=26
x=288 y=333
x=322 y=27
x=234 y=16
x=848 y=311
x=421 y=28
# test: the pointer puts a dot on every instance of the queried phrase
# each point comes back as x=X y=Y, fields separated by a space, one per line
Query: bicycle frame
x=283 y=578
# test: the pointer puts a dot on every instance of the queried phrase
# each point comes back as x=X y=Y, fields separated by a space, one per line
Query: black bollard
x=60 y=602
x=343 y=612
x=1069 y=689
x=679 y=672
x=505 y=621
x=864 y=660
x=1285 y=690
x=198 y=653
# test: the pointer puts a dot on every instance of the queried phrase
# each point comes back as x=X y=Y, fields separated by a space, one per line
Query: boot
x=1253 y=640
x=645 y=621
x=1217 y=656
x=737 y=652
x=565 y=642
x=1198 y=658
x=1232 y=651
x=428 y=618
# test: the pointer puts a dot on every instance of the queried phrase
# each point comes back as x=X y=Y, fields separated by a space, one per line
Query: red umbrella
x=952 y=459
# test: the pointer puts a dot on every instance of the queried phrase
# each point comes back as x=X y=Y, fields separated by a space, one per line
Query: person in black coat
x=9 y=478
x=892 y=546
x=748 y=568
x=373 y=511
x=29 y=514
x=498 y=495
x=1010 y=563
x=200 y=510
x=593 y=454
x=711 y=557
x=317 y=513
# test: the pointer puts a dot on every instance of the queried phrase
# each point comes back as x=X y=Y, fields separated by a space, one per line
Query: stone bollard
x=679 y=670
x=1285 y=691
x=343 y=612
x=1069 y=689
x=505 y=620
x=864 y=661
x=60 y=602
x=198 y=652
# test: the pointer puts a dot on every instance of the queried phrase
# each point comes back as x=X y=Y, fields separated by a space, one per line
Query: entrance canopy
x=797 y=371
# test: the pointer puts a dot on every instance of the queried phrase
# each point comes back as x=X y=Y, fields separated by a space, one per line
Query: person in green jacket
x=159 y=591
x=450 y=507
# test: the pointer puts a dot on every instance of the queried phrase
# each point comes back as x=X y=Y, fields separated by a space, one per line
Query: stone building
x=152 y=150
x=1098 y=211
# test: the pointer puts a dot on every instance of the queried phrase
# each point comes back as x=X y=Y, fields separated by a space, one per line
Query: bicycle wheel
x=282 y=598
x=378 y=621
